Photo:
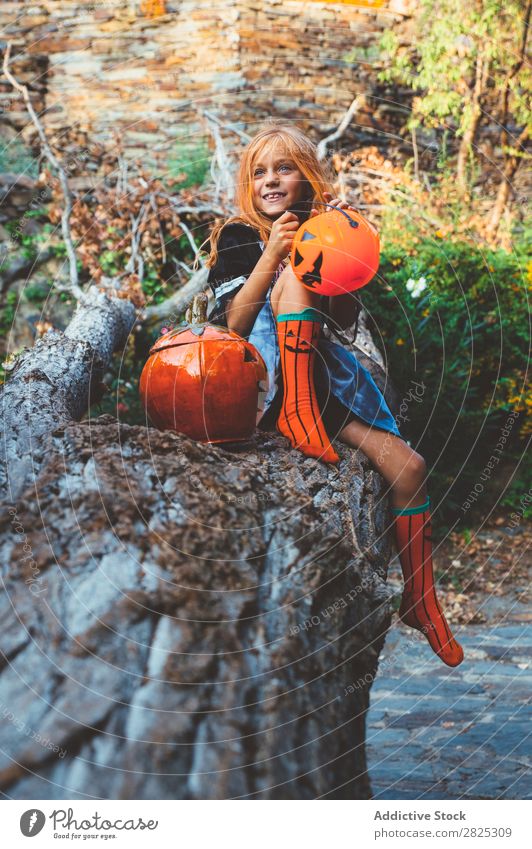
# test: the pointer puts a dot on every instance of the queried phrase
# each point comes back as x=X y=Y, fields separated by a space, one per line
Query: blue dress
x=344 y=388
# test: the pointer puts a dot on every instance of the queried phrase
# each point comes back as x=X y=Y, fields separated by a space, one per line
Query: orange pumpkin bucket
x=204 y=381
x=335 y=252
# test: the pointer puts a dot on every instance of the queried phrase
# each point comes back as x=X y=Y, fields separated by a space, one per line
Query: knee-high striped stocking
x=419 y=606
x=300 y=419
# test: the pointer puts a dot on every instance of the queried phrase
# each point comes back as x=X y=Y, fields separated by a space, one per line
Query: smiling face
x=278 y=184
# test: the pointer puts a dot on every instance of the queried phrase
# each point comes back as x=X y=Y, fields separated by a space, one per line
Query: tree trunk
x=511 y=166
x=185 y=621
x=468 y=139
x=52 y=384
x=511 y=160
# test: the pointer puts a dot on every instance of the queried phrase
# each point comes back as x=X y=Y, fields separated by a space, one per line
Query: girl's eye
x=259 y=171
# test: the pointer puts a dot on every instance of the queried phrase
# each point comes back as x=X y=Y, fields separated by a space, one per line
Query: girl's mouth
x=271 y=197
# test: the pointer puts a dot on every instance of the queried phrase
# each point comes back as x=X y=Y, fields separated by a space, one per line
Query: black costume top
x=239 y=250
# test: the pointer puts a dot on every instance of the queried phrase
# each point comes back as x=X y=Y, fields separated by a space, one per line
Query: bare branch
x=192 y=242
x=341 y=184
x=211 y=117
x=175 y=305
x=404 y=196
x=416 y=155
x=136 y=260
x=180 y=264
x=220 y=166
x=65 y=218
x=342 y=126
x=427 y=181
x=121 y=177
x=192 y=210
x=153 y=205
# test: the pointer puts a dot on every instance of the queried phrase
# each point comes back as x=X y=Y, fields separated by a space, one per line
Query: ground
x=441 y=733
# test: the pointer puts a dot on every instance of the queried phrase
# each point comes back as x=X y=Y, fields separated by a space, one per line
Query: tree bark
x=511 y=160
x=468 y=139
x=176 y=303
x=185 y=621
x=52 y=384
x=511 y=166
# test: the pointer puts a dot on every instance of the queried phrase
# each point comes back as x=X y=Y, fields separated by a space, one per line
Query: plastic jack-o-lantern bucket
x=204 y=381
x=335 y=252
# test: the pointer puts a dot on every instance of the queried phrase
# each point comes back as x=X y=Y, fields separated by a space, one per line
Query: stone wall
x=105 y=69
x=308 y=60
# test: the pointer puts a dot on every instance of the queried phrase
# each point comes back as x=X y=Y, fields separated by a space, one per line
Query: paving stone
x=440 y=733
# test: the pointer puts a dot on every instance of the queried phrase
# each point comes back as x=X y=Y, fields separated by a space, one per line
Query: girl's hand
x=341 y=204
x=283 y=231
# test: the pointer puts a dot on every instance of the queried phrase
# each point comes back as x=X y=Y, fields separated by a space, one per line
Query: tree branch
x=77 y=292
x=342 y=126
x=220 y=165
x=211 y=117
x=175 y=305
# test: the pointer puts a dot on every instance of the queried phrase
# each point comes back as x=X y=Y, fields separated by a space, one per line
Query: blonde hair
x=295 y=144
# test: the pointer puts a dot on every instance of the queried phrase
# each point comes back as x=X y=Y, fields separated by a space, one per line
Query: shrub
x=455 y=318
x=36 y=293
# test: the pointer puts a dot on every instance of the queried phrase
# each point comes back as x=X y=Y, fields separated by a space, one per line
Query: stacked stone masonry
x=104 y=67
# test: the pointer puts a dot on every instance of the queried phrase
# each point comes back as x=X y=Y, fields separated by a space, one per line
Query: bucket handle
x=352 y=222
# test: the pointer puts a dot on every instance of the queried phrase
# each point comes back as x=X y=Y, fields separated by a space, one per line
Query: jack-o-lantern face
x=335 y=252
x=303 y=347
x=312 y=278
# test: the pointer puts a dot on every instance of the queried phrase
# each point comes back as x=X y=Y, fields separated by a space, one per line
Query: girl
x=317 y=388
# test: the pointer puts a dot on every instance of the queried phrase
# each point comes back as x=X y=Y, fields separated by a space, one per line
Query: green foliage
x=16 y=158
x=363 y=54
x=122 y=396
x=36 y=293
x=8 y=312
x=59 y=249
x=30 y=243
x=522 y=242
x=156 y=289
x=450 y=37
x=191 y=163
x=455 y=319
x=29 y=247
x=518 y=493
x=110 y=262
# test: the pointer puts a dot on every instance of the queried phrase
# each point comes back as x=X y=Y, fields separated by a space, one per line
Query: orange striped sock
x=300 y=418
x=419 y=606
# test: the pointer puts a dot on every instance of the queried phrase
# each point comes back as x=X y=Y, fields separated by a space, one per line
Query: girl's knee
x=416 y=468
x=290 y=295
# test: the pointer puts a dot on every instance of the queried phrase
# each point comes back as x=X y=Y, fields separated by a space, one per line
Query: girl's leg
x=402 y=467
x=298 y=330
x=405 y=470
x=289 y=294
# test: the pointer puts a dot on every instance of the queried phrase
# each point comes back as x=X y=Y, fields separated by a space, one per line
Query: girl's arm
x=242 y=310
